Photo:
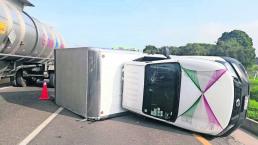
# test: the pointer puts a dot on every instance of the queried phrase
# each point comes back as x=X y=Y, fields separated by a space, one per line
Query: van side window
x=161 y=90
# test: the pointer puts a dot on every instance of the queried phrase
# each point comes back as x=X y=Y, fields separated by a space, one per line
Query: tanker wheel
x=13 y=81
x=20 y=81
x=30 y=82
x=51 y=80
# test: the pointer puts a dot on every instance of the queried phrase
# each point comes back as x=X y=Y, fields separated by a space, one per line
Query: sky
x=137 y=23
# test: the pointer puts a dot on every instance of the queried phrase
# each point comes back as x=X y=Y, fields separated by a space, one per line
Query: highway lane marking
x=202 y=139
x=35 y=132
x=3 y=88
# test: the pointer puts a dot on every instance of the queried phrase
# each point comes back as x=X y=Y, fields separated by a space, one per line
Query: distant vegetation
x=126 y=49
x=236 y=44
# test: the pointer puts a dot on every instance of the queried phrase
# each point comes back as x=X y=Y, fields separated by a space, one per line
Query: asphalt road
x=21 y=112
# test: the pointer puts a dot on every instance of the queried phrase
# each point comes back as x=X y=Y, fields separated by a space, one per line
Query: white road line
x=3 y=88
x=34 y=133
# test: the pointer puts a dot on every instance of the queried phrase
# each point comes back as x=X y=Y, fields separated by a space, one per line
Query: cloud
x=212 y=31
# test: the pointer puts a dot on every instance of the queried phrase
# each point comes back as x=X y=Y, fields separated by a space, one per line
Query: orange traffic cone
x=44 y=93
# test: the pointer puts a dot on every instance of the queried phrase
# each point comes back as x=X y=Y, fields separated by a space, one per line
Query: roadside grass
x=254 y=89
x=252 y=111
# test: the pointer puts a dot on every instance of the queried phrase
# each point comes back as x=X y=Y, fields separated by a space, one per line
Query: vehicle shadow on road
x=30 y=99
x=138 y=120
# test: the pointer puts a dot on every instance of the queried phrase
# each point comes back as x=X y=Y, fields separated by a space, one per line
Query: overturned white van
x=203 y=94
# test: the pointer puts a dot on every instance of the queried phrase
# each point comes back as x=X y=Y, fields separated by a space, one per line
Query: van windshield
x=230 y=68
x=161 y=90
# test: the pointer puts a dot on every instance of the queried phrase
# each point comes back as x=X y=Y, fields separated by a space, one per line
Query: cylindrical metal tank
x=22 y=35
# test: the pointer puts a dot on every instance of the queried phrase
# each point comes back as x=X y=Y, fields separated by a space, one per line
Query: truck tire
x=30 y=82
x=20 y=81
x=51 y=80
x=13 y=81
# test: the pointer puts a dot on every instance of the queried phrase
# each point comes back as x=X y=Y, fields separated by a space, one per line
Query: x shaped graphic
x=203 y=87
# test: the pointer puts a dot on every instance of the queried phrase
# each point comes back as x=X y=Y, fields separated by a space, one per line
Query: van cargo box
x=89 y=80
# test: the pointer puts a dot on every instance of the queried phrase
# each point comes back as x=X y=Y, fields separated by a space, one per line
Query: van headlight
x=246 y=102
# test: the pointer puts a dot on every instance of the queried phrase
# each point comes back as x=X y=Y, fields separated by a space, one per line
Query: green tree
x=240 y=36
x=150 y=49
x=173 y=50
x=236 y=44
x=192 y=49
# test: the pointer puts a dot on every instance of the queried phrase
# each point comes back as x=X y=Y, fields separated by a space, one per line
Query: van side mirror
x=165 y=51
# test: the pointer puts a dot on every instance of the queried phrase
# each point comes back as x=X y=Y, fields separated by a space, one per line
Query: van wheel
x=51 y=80
x=20 y=81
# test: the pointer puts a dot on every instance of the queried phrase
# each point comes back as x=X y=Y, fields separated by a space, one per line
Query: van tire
x=51 y=80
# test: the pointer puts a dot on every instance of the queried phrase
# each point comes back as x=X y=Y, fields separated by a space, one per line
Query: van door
x=162 y=90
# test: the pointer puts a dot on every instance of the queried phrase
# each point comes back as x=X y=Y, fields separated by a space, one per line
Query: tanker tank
x=24 y=40
x=21 y=34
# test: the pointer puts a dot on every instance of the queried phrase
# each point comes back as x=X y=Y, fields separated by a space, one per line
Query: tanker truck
x=26 y=45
